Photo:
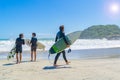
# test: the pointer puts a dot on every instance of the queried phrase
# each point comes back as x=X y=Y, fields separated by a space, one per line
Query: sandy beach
x=89 y=69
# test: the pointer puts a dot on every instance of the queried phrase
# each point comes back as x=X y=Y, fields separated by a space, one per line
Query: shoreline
x=72 y=50
x=75 y=54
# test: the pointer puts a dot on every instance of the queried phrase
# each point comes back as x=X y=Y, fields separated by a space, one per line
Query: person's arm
x=36 y=41
x=31 y=41
x=63 y=34
x=56 y=38
x=23 y=41
x=16 y=41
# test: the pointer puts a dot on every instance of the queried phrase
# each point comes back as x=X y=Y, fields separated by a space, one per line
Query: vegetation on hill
x=100 y=32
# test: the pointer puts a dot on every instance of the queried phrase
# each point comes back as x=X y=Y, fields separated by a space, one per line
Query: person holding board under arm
x=60 y=35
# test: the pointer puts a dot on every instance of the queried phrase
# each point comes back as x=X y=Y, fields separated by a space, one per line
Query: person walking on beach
x=19 y=42
x=59 y=35
x=33 y=43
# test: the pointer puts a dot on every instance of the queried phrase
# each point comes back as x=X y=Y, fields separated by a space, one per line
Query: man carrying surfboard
x=33 y=43
x=60 y=35
x=19 y=42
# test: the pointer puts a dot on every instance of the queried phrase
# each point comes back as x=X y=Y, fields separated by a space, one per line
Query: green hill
x=100 y=32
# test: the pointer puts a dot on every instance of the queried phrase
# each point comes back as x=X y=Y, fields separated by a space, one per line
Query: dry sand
x=92 y=69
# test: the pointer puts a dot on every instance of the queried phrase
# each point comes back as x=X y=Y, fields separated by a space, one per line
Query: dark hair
x=61 y=27
x=20 y=35
x=34 y=34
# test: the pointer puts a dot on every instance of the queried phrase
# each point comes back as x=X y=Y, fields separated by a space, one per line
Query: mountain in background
x=101 y=32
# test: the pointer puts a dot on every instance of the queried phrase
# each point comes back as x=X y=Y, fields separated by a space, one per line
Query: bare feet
x=68 y=63
x=18 y=62
x=55 y=65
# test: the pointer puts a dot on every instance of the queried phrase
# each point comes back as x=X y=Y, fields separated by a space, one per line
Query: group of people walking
x=33 y=42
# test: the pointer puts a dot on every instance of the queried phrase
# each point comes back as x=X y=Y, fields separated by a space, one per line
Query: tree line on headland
x=109 y=32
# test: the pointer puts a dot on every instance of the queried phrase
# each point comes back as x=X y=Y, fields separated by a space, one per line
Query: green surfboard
x=61 y=45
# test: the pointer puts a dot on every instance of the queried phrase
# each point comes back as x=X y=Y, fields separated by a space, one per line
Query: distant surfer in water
x=33 y=43
x=19 y=42
x=59 y=35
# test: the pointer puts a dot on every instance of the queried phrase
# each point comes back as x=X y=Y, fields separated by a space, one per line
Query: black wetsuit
x=19 y=43
x=59 y=35
x=33 y=44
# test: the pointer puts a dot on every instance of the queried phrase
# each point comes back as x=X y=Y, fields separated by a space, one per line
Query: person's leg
x=34 y=55
x=17 y=58
x=56 y=58
x=31 y=55
x=20 y=57
x=64 y=56
x=17 y=50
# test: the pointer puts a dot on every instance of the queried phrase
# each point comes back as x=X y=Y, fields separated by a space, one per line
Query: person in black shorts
x=60 y=35
x=19 y=42
x=33 y=43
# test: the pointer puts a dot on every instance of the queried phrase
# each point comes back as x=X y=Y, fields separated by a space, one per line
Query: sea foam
x=6 y=45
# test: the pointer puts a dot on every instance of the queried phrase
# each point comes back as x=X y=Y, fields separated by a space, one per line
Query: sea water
x=82 y=48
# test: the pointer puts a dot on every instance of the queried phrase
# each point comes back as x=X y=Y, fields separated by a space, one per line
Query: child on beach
x=33 y=43
x=19 y=42
x=59 y=35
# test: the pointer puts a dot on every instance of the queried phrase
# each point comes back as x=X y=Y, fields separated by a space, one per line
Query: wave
x=6 y=45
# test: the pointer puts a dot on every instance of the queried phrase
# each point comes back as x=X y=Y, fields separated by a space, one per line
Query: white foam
x=94 y=44
x=79 y=44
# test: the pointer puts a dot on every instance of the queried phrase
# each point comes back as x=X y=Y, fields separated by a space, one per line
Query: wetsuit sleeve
x=36 y=40
x=31 y=40
x=16 y=41
x=56 y=38
x=23 y=41
x=64 y=38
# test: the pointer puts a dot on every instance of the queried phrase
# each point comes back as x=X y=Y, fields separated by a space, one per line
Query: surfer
x=33 y=43
x=19 y=42
x=59 y=35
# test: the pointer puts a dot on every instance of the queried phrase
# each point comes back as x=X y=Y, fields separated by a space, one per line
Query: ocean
x=81 y=49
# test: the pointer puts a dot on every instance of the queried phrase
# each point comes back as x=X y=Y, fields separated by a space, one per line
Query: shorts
x=33 y=48
x=18 y=50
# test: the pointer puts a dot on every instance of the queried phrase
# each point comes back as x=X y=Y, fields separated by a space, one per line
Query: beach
x=60 y=40
x=89 y=69
x=87 y=63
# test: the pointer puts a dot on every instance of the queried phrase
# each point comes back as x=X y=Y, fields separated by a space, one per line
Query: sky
x=45 y=16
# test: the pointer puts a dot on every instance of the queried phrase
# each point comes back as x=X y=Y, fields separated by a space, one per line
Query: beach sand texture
x=89 y=69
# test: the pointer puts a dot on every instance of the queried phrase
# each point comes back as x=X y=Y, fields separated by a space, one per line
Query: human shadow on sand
x=9 y=64
x=54 y=67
